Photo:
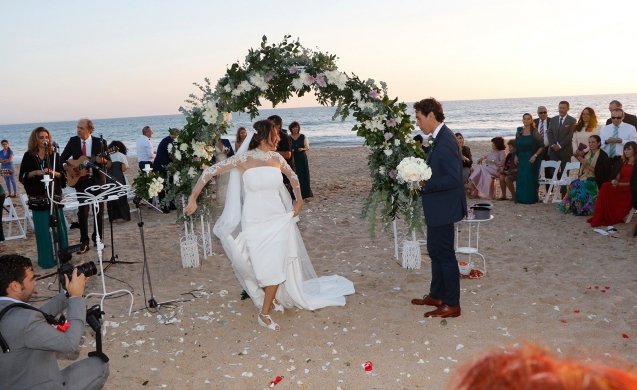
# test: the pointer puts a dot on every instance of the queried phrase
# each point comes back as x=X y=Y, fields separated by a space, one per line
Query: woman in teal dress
x=528 y=146
x=300 y=146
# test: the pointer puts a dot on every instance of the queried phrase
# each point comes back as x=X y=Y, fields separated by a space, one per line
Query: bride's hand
x=298 y=205
x=191 y=207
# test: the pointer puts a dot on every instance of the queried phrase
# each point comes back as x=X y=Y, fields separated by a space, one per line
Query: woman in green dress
x=300 y=146
x=528 y=148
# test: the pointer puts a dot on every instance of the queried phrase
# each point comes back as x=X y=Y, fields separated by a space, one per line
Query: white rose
x=176 y=178
x=388 y=152
x=183 y=147
x=178 y=155
x=381 y=170
x=397 y=142
x=297 y=83
x=192 y=172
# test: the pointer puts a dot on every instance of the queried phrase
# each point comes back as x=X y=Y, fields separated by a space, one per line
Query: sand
x=551 y=280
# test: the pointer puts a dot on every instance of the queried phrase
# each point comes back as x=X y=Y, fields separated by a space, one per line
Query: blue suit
x=444 y=203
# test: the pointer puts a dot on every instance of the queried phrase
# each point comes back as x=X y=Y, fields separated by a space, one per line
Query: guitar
x=77 y=169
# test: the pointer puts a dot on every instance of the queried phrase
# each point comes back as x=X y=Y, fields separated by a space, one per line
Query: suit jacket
x=562 y=135
x=628 y=118
x=443 y=196
x=73 y=149
x=162 y=158
x=32 y=363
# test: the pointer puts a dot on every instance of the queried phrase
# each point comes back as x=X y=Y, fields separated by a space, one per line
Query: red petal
x=563 y=321
x=624 y=335
x=576 y=311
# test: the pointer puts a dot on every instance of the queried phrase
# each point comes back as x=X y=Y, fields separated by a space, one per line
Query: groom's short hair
x=277 y=120
x=425 y=106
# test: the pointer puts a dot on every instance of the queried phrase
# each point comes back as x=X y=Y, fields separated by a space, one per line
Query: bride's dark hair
x=264 y=129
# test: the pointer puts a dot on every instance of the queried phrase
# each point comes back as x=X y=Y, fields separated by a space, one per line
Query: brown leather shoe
x=444 y=311
x=426 y=300
x=84 y=248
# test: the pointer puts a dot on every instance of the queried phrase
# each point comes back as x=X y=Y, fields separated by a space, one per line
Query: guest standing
x=84 y=144
x=467 y=162
x=594 y=171
x=509 y=172
x=633 y=190
x=39 y=160
x=118 y=208
x=481 y=182
x=3 y=196
x=585 y=127
x=6 y=158
x=284 y=148
x=444 y=204
x=144 y=147
x=615 y=198
x=160 y=165
x=242 y=133
x=628 y=118
x=300 y=146
x=560 y=133
x=528 y=146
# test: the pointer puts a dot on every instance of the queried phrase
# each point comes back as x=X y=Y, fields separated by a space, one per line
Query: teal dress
x=527 y=185
x=301 y=166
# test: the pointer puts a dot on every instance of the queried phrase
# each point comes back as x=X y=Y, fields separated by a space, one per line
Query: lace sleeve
x=294 y=180
x=222 y=167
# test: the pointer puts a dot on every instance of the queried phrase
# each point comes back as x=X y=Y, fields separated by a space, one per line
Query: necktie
x=561 y=119
x=613 y=147
x=542 y=129
x=83 y=148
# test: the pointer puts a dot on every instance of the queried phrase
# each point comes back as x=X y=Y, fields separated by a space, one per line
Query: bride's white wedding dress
x=261 y=237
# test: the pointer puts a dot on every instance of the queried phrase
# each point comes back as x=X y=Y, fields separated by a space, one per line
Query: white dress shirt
x=89 y=145
x=626 y=132
x=144 y=148
x=546 y=127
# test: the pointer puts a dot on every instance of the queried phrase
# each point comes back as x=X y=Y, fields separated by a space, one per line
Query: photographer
x=33 y=343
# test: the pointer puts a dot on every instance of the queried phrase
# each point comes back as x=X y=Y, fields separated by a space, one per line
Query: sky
x=62 y=60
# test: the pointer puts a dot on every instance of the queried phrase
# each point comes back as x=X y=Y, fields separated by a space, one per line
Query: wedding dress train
x=259 y=234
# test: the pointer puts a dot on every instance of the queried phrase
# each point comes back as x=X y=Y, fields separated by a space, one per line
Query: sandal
x=272 y=325
x=277 y=305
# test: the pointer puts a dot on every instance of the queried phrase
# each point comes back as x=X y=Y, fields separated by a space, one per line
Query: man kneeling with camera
x=30 y=338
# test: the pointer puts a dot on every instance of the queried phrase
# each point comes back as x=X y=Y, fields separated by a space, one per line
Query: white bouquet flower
x=210 y=112
x=413 y=169
x=155 y=187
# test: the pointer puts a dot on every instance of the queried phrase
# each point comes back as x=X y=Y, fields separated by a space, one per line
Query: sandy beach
x=551 y=280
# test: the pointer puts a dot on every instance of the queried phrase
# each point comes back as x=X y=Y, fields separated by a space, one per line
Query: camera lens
x=88 y=269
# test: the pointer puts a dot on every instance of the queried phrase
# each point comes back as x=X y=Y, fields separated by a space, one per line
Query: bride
x=260 y=237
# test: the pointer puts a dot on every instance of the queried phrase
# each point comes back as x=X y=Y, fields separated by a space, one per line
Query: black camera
x=87 y=269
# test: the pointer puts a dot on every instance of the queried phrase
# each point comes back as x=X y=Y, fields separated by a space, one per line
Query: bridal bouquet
x=148 y=185
x=413 y=170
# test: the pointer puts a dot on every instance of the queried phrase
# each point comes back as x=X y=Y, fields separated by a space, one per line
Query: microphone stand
x=53 y=208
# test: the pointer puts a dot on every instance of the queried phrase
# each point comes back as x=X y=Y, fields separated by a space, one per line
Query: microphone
x=89 y=164
x=55 y=145
x=44 y=143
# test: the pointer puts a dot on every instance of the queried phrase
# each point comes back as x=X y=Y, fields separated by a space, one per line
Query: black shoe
x=84 y=248
x=165 y=210
x=74 y=225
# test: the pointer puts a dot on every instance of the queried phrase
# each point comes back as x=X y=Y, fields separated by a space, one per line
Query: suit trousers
x=445 y=274
x=83 y=213
x=86 y=374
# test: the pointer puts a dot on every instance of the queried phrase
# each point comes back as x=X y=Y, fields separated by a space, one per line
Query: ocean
x=475 y=119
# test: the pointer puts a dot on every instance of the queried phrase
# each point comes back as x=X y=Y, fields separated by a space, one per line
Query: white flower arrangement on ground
x=413 y=169
x=148 y=185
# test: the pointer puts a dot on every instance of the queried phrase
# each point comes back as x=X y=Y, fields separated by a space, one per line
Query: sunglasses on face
x=541 y=112
x=616 y=117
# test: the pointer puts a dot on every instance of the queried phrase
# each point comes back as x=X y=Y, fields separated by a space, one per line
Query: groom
x=444 y=203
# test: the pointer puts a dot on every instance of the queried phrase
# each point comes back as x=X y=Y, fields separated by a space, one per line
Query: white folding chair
x=11 y=220
x=629 y=217
x=71 y=206
x=24 y=199
x=565 y=179
x=544 y=181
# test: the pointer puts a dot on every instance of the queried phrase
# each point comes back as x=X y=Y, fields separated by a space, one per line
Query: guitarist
x=84 y=144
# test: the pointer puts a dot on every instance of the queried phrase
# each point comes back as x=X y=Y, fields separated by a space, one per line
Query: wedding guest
x=160 y=165
x=418 y=138
x=628 y=118
x=509 y=172
x=560 y=134
x=615 y=135
x=481 y=181
x=284 y=148
x=84 y=144
x=144 y=148
x=300 y=146
x=585 y=127
x=633 y=190
x=531 y=367
x=3 y=196
x=542 y=125
x=594 y=171
x=242 y=133
x=467 y=161
x=223 y=150
x=528 y=148
x=444 y=203
x=118 y=208
x=39 y=160
x=6 y=158
x=615 y=199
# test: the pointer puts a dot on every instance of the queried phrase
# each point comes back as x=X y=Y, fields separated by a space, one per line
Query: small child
x=509 y=172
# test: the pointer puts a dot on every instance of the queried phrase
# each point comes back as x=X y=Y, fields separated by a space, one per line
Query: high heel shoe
x=277 y=306
x=272 y=325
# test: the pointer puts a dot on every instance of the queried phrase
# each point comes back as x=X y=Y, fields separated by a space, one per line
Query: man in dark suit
x=84 y=144
x=224 y=147
x=628 y=118
x=444 y=203
x=560 y=134
x=31 y=361
x=160 y=164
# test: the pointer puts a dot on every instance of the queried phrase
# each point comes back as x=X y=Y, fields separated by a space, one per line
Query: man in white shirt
x=144 y=148
x=615 y=136
x=542 y=125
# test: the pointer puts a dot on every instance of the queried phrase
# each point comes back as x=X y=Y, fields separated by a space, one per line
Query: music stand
x=102 y=193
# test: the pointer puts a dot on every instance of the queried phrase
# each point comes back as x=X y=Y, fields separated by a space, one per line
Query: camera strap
x=50 y=319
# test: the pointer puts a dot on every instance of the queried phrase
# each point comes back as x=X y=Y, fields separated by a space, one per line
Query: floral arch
x=276 y=72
